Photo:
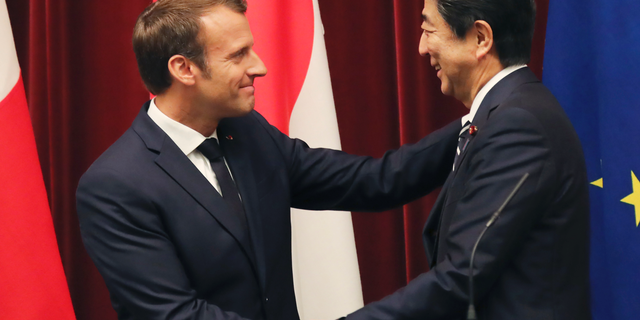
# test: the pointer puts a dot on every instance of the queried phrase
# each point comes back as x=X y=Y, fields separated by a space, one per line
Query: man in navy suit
x=533 y=261
x=187 y=215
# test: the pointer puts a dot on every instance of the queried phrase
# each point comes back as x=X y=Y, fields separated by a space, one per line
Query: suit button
x=266 y=299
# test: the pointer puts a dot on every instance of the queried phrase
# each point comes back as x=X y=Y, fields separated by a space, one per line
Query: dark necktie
x=463 y=139
x=212 y=151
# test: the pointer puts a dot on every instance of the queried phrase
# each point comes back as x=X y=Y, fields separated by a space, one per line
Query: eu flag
x=592 y=65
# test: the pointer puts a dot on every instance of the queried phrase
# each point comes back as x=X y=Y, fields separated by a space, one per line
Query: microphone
x=471 y=312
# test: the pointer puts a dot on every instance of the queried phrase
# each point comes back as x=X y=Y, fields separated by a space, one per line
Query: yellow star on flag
x=598 y=183
x=634 y=198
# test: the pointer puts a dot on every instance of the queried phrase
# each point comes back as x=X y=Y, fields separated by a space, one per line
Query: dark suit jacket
x=169 y=248
x=533 y=262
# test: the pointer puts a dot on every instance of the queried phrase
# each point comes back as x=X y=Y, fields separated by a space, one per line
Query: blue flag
x=592 y=65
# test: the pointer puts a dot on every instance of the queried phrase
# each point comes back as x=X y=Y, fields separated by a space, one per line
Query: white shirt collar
x=487 y=87
x=184 y=137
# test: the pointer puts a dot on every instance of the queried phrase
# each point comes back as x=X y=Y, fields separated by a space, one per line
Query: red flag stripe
x=283 y=36
x=32 y=281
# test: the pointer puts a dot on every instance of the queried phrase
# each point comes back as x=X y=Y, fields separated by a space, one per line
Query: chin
x=250 y=106
x=445 y=91
x=245 y=110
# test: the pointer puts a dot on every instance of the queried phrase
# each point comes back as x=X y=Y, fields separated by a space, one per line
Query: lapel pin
x=473 y=130
x=229 y=137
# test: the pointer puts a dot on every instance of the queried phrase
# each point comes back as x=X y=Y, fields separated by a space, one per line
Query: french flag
x=296 y=97
x=32 y=281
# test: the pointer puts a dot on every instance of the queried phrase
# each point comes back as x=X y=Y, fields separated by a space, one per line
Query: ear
x=484 y=38
x=182 y=70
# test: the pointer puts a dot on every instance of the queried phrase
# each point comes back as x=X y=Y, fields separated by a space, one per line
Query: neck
x=483 y=74
x=179 y=107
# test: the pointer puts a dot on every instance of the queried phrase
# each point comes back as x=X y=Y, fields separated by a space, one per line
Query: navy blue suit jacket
x=168 y=246
x=533 y=262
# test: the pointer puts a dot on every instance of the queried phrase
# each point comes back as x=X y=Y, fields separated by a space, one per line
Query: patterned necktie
x=463 y=139
x=212 y=151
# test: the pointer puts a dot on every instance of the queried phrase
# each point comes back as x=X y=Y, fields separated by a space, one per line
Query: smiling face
x=232 y=65
x=454 y=59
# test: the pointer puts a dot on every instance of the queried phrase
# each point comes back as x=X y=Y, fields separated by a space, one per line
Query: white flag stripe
x=326 y=274
x=327 y=279
x=9 y=67
x=314 y=115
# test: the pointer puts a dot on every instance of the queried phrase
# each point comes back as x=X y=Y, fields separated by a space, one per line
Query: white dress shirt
x=188 y=141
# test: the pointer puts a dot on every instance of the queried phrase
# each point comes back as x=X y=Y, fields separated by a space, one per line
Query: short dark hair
x=172 y=27
x=512 y=22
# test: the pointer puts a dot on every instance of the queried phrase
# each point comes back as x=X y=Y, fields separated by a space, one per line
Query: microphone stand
x=471 y=312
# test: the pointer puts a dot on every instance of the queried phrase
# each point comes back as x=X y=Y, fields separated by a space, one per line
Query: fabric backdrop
x=83 y=91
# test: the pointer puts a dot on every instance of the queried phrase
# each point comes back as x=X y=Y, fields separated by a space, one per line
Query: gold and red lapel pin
x=229 y=137
x=473 y=130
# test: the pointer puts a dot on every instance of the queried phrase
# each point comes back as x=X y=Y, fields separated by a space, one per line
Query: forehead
x=430 y=14
x=223 y=28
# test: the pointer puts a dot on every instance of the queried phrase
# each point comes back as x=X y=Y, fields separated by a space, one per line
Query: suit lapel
x=492 y=100
x=236 y=150
x=176 y=164
x=432 y=226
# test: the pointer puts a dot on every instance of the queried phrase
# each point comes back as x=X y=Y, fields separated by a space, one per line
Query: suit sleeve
x=125 y=236
x=325 y=179
x=504 y=150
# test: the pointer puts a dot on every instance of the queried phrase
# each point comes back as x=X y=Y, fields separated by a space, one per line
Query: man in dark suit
x=533 y=261
x=182 y=225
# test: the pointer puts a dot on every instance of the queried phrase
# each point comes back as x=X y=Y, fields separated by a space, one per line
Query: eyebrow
x=239 y=51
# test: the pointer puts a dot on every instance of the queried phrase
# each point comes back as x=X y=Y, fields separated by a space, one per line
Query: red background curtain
x=83 y=91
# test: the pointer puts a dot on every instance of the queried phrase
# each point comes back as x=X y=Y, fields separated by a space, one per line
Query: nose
x=422 y=47
x=257 y=69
